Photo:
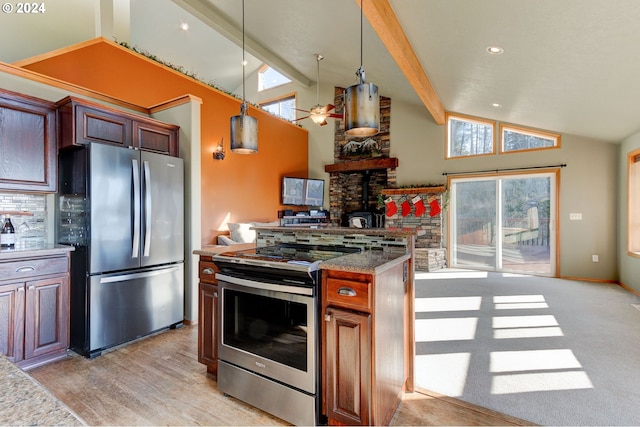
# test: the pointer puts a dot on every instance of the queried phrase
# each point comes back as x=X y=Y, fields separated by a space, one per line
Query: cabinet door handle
x=25 y=269
x=32 y=287
x=20 y=289
x=215 y=294
x=327 y=318
x=347 y=292
x=207 y=270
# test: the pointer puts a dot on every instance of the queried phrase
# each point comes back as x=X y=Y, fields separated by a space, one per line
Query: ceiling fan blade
x=335 y=116
x=329 y=107
x=301 y=118
x=323 y=123
x=305 y=111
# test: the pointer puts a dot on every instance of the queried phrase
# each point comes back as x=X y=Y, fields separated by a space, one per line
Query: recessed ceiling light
x=184 y=26
x=495 y=50
x=496 y=105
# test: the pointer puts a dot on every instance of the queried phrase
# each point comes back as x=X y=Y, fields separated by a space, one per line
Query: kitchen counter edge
x=34 y=251
x=368 y=262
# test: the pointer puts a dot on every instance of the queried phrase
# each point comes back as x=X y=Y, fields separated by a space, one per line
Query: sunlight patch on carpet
x=429 y=305
x=548 y=381
x=453 y=274
x=455 y=329
x=533 y=360
x=443 y=373
x=502 y=322
x=501 y=334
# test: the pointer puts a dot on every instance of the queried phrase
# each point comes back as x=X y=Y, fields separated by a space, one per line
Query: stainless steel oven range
x=269 y=330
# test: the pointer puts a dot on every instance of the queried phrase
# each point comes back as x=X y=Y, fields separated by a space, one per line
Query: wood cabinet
x=363 y=345
x=28 y=143
x=207 y=315
x=83 y=122
x=34 y=309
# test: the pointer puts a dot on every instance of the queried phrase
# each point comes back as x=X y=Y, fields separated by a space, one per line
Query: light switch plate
x=575 y=216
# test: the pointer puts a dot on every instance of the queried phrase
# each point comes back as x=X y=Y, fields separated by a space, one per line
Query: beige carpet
x=550 y=351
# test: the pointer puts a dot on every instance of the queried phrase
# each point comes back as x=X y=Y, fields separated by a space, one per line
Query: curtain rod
x=563 y=165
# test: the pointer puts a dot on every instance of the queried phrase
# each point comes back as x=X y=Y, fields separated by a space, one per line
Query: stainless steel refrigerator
x=123 y=210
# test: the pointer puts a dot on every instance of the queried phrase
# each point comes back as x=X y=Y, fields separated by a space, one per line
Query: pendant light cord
x=360 y=72
x=243 y=60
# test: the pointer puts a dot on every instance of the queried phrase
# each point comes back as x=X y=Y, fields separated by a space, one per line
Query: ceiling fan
x=320 y=113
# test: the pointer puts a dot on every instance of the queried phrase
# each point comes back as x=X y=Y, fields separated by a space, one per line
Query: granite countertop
x=33 y=250
x=211 y=250
x=24 y=401
x=394 y=232
x=368 y=262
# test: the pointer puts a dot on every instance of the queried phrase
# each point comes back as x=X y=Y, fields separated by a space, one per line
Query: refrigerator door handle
x=147 y=209
x=142 y=275
x=135 y=246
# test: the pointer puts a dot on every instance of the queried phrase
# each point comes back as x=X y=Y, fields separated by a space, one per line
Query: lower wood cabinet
x=207 y=316
x=348 y=366
x=34 y=311
x=363 y=345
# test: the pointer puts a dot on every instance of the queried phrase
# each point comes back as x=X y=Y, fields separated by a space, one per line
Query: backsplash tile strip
x=29 y=229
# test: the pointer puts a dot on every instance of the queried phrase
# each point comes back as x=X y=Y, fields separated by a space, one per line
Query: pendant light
x=244 y=128
x=361 y=102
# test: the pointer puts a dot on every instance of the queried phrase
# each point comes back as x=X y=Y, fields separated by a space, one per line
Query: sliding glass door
x=504 y=223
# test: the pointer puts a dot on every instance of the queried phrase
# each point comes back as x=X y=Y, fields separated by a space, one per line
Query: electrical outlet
x=575 y=216
x=594 y=258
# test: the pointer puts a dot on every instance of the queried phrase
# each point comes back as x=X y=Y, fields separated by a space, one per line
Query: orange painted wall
x=241 y=188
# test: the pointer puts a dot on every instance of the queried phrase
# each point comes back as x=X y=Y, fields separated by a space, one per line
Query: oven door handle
x=299 y=290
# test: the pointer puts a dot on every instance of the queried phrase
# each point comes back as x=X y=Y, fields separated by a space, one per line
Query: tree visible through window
x=515 y=138
x=284 y=107
x=467 y=136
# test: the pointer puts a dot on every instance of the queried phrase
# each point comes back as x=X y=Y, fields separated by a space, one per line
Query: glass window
x=633 y=214
x=269 y=78
x=515 y=138
x=469 y=136
x=284 y=107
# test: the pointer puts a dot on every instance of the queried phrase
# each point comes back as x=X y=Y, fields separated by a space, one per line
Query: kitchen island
x=365 y=302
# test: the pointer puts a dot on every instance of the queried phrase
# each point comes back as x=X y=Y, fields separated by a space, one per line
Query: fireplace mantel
x=363 y=165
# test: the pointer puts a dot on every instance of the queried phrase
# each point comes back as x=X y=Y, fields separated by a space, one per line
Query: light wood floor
x=158 y=381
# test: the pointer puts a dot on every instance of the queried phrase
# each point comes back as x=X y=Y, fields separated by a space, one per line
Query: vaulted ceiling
x=568 y=66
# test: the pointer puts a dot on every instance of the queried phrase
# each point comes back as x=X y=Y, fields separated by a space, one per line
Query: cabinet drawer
x=207 y=272
x=33 y=267
x=349 y=294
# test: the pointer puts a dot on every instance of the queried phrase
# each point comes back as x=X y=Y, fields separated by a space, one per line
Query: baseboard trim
x=628 y=288
x=586 y=279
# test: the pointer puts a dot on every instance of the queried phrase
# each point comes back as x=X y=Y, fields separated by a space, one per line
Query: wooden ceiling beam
x=384 y=21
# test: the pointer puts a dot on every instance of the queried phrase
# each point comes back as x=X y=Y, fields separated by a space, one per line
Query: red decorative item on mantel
x=435 y=208
x=420 y=209
x=390 y=205
x=406 y=207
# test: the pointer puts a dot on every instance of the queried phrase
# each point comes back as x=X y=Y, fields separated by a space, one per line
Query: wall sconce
x=218 y=152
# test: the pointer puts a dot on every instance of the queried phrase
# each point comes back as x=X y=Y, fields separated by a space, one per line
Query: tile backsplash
x=29 y=229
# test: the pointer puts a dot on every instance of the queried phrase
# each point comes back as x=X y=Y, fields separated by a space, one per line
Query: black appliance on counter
x=269 y=328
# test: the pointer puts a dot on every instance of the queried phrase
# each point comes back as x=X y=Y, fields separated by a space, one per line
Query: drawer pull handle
x=207 y=270
x=215 y=294
x=347 y=292
x=25 y=269
x=21 y=289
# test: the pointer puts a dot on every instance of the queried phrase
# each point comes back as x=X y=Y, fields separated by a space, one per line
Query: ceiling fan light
x=244 y=133
x=362 y=110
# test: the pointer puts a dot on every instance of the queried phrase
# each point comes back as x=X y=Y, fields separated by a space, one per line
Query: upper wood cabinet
x=28 y=144
x=82 y=122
